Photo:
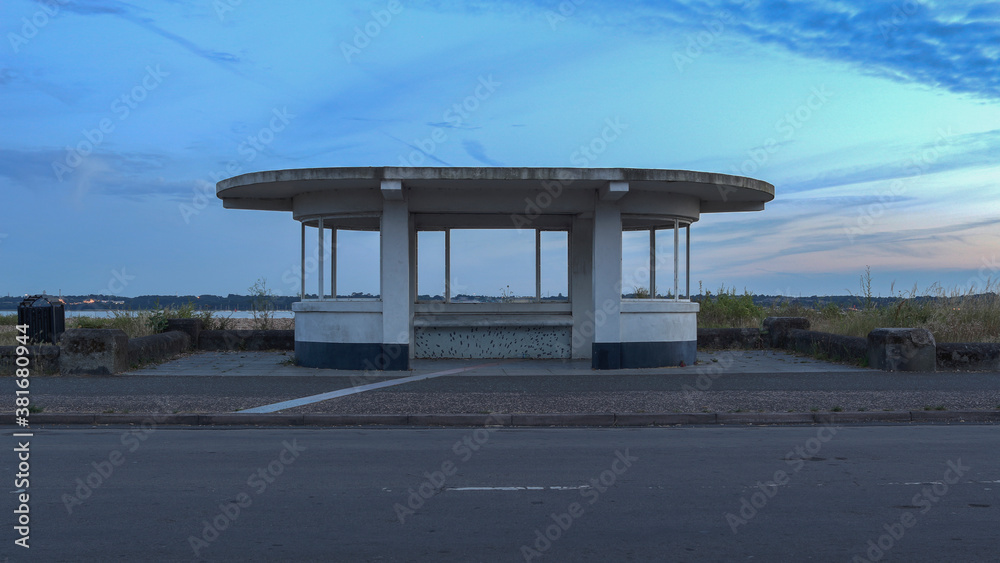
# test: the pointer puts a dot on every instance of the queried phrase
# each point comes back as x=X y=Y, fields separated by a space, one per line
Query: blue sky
x=877 y=122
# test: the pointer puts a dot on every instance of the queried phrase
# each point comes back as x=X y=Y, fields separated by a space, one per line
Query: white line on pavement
x=274 y=407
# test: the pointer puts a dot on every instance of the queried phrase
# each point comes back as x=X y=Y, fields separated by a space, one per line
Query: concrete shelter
x=592 y=206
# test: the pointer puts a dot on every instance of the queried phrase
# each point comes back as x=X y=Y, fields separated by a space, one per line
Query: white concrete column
x=395 y=271
x=607 y=267
x=581 y=290
x=320 y=290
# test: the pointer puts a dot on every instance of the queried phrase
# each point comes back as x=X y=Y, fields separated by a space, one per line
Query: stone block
x=41 y=359
x=779 y=328
x=902 y=349
x=192 y=327
x=93 y=351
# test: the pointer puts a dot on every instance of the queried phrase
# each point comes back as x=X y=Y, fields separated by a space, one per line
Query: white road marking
x=274 y=407
x=526 y=488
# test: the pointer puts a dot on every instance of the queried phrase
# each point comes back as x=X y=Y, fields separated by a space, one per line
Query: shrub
x=728 y=310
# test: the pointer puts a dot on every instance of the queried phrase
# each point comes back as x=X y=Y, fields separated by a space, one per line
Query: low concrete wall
x=225 y=340
x=902 y=349
x=42 y=359
x=192 y=327
x=972 y=356
x=93 y=351
x=777 y=330
x=835 y=346
x=730 y=338
x=157 y=347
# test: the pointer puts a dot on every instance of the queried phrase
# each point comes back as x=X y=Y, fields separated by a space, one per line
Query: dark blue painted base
x=359 y=356
x=627 y=355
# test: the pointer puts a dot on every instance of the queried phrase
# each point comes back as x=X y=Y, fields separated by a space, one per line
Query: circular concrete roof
x=277 y=189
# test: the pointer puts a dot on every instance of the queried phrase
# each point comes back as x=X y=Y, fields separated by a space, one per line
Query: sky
x=878 y=123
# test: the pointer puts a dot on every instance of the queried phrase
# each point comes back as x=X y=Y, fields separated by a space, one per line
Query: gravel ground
x=399 y=402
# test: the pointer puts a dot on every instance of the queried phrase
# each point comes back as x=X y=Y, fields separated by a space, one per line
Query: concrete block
x=191 y=327
x=453 y=420
x=122 y=419
x=664 y=419
x=852 y=417
x=188 y=419
x=157 y=347
x=902 y=349
x=250 y=419
x=42 y=359
x=354 y=419
x=563 y=419
x=765 y=418
x=93 y=351
x=955 y=416
x=778 y=329
x=971 y=356
x=62 y=418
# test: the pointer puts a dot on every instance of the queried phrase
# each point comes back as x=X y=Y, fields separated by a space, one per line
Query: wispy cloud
x=130 y=14
x=941 y=45
x=476 y=150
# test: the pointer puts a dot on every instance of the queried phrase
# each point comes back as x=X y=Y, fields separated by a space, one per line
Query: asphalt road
x=167 y=494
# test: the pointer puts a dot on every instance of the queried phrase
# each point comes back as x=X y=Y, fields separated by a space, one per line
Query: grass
x=955 y=315
x=133 y=323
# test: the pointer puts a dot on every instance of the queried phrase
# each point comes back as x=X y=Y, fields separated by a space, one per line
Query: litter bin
x=45 y=317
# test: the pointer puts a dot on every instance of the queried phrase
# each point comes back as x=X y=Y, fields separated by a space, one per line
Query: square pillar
x=395 y=284
x=607 y=285
x=581 y=247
